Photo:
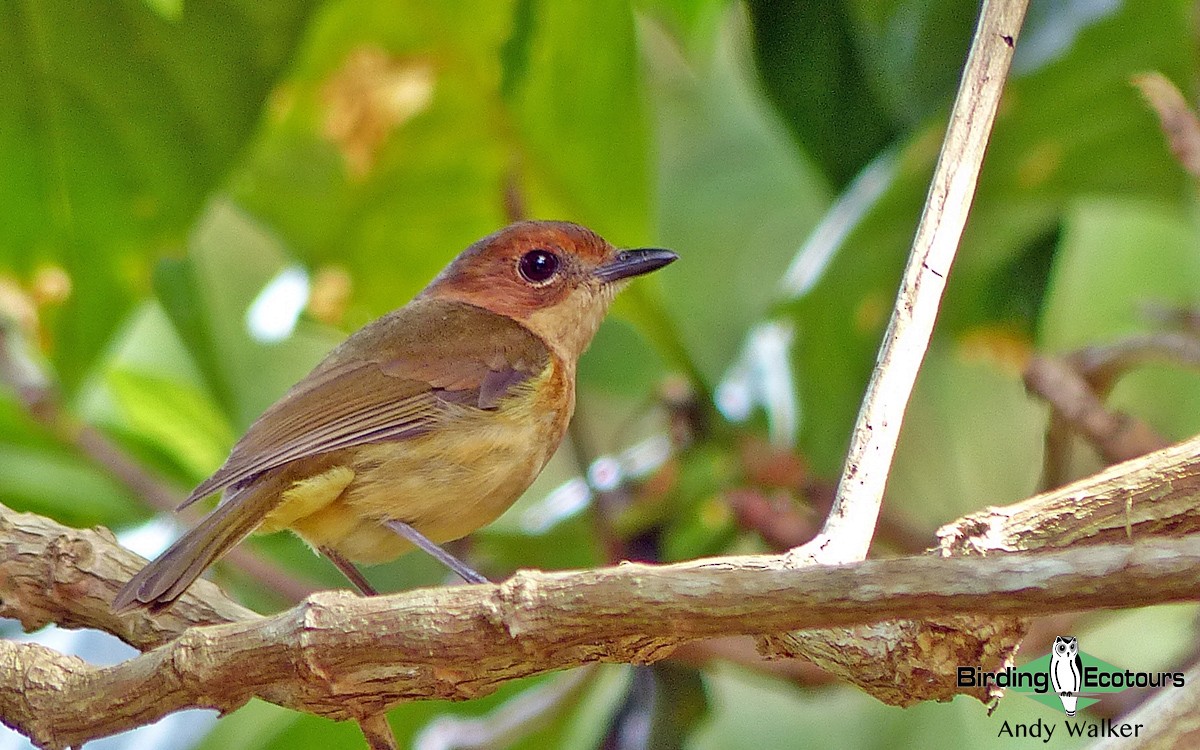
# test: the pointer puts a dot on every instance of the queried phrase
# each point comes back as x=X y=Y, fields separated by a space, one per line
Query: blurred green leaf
x=734 y=197
x=1117 y=254
x=63 y=486
x=812 y=71
x=231 y=259
x=179 y=419
x=965 y=390
x=118 y=123
x=503 y=109
x=662 y=707
x=582 y=122
x=692 y=22
x=913 y=51
x=177 y=289
x=168 y=9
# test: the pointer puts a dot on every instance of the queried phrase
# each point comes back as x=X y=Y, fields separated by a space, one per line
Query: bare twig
x=1171 y=719
x=850 y=526
x=1118 y=437
x=1155 y=494
x=378 y=733
x=1179 y=122
x=1103 y=365
x=1076 y=385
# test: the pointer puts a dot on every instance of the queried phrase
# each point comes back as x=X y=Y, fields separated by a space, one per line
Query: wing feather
x=390 y=381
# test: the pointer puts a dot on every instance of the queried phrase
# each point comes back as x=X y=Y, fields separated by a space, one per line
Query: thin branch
x=1076 y=385
x=1076 y=404
x=1152 y=495
x=1179 y=123
x=1103 y=365
x=378 y=733
x=850 y=526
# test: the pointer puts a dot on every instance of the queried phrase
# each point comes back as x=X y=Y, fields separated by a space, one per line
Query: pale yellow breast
x=446 y=483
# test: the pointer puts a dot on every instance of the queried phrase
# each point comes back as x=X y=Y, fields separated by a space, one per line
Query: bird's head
x=555 y=278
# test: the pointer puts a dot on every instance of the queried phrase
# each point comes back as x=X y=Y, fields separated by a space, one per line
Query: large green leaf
x=232 y=259
x=912 y=50
x=117 y=123
x=62 y=485
x=499 y=103
x=734 y=197
x=812 y=72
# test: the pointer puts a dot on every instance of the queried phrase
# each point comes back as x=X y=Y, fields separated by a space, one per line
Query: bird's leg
x=352 y=573
x=463 y=570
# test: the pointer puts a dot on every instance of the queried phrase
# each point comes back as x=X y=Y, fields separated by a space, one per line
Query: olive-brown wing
x=390 y=381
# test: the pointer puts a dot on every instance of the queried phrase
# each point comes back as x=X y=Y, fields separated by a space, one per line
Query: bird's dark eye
x=538 y=266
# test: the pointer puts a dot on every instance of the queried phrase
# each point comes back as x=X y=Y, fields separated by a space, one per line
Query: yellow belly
x=446 y=483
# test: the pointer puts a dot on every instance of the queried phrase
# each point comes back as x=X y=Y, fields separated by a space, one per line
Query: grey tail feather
x=165 y=579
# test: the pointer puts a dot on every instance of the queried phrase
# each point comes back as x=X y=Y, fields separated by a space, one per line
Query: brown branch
x=50 y=573
x=1179 y=123
x=1075 y=386
x=1172 y=718
x=344 y=657
x=1153 y=495
x=1077 y=406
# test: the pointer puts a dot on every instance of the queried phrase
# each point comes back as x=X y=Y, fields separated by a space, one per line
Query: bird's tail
x=165 y=579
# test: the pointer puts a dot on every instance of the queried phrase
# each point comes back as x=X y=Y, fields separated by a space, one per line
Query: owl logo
x=1066 y=671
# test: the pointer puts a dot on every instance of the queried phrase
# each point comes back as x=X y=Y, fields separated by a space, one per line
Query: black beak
x=630 y=263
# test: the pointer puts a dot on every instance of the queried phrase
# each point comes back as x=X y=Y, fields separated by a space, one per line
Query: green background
x=164 y=160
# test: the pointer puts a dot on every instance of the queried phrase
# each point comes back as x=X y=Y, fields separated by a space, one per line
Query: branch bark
x=344 y=657
x=38 y=397
x=1153 y=495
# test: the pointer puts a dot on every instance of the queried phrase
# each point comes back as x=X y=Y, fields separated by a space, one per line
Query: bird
x=425 y=424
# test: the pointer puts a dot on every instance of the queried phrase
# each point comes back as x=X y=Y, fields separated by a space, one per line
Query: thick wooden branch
x=342 y=656
x=1153 y=495
x=50 y=573
x=1157 y=494
x=345 y=657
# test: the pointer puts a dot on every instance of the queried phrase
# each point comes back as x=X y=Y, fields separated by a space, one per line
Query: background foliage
x=165 y=161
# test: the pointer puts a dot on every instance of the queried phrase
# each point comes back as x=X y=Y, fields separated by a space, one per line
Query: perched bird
x=424 y=425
